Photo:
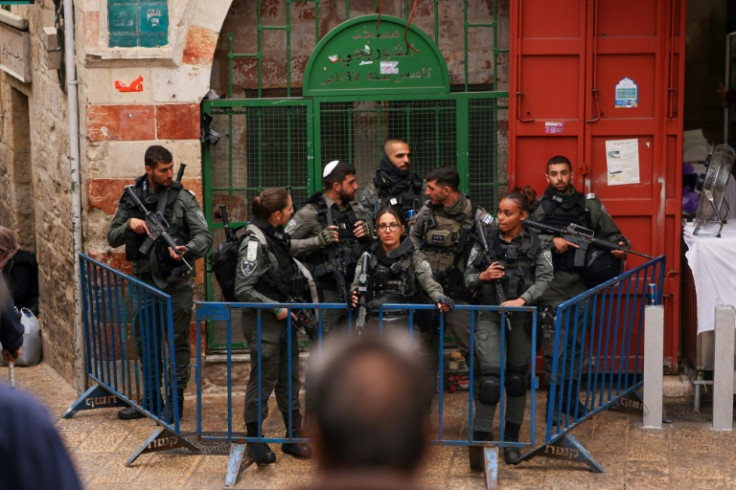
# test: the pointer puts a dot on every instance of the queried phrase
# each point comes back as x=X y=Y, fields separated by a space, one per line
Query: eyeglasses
x=388 y=227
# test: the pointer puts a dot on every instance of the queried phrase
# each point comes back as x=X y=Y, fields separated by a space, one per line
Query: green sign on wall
x=143 y=23
x=365 y=56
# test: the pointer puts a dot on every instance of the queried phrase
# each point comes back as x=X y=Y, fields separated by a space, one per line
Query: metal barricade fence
x=595 y=363
x=129 y=345
x=450 y=428
x=597 y=358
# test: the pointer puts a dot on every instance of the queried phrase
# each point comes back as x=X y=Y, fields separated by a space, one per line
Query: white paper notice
x=622 y=157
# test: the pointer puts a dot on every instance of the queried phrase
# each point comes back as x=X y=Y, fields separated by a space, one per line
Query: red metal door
x=588 y=78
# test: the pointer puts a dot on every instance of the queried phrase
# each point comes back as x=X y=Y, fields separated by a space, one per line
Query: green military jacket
x=185 y=215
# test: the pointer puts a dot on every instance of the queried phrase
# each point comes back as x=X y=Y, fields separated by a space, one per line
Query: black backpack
x=224 y=258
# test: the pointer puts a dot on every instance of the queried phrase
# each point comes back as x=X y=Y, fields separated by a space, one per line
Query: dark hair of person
x=392 y=211
x=362 y=425
x=338 y=174
x=268 y=202
x=523 y=196
x=557 y=160
x=393 y=141
x=446 y=176
x=157 y=154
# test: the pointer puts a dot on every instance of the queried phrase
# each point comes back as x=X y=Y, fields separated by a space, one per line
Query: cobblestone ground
x=685 y=454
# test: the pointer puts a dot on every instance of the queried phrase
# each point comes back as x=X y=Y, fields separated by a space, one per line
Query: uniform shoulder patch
x=424 y=264
x=291 y=226
x=473 y=255
x=251 y=251
x=201 y=217
x=548 y=256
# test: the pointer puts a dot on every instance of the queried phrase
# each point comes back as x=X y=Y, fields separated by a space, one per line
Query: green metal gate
x=279 y=142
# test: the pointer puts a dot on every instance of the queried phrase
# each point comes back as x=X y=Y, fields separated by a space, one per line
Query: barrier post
x=653 y=375
x=723 y=368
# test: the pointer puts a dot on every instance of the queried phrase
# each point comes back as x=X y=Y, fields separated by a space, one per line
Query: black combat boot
x=296 y=449
x=131 y=412
x=259 y=451
x=511 y=455
x=475 y=453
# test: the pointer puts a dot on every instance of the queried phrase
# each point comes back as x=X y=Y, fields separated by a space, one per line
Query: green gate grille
x=284 y=141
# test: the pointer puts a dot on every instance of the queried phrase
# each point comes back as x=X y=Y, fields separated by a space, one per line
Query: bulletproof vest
x=288 y=283
x=519 y=261
x=560 y=213
x=391 y=277
x=348 y=249
x=407 y=201
x=150 y=200
x=446 y=239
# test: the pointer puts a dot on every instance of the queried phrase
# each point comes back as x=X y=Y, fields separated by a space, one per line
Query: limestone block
x=186 y=83
x=210 y=14
x=177 y=121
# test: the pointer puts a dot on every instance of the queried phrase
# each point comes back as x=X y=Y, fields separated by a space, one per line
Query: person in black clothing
x=20 y=271
x=394 y=185
x=11 y=329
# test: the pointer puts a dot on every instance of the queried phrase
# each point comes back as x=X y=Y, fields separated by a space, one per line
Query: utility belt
x=391 y=314
x=324 y=271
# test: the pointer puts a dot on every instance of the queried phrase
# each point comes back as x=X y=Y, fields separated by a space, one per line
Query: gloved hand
x=327 y=236
x=446 y=300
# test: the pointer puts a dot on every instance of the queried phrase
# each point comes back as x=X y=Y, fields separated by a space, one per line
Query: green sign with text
x=366 y=55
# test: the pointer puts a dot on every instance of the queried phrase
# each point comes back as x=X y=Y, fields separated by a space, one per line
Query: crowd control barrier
x=129 y=349
x=597 y=361
x=452 y=414
x=596 y=365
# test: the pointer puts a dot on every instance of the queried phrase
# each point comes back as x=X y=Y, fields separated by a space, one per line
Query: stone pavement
x=685 y=454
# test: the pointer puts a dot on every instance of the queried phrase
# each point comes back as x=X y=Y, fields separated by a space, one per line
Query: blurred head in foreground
x=367 y=404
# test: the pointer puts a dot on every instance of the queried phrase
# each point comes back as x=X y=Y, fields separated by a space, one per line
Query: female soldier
x=511 y=253
x=266 y=273
x=396 y=273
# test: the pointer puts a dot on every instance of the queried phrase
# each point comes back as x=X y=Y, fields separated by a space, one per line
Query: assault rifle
x=362 y=294
x=157 y=225
x=500 y=293
x=305 y=321
x=229 y=232
x=583 y=238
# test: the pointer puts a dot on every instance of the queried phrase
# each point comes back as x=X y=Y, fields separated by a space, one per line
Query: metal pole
x=723 y=369
x=653 y=372
x=73 y=121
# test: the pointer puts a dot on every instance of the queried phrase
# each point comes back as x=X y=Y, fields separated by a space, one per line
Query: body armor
x=391 y=275
x=150 y=200
x=519 y=261
x=560 y=212
x=445 y=243
x=289 y=282
x=342 y=255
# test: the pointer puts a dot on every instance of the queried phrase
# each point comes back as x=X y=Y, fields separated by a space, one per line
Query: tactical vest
x=445 y=243
x=392 y=283
x=288 y=283
x=348 y=248
x=406 y=202
x=560 y=215
x=150 y=200
x=519 y=261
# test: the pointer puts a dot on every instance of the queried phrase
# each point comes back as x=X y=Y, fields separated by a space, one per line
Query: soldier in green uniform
x=159 y=192
x=396 y=274
x=561 y=205
x=442 y=230
x=266 y=273
x=394 y=184
x=516 y=257
x=330 y=232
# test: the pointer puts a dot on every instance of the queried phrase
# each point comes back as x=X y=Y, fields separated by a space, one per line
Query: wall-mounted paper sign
x=622 y=157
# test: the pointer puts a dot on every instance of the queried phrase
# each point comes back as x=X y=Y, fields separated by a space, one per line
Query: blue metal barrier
x=129 y=347
x=458 y=432
x=597 y=361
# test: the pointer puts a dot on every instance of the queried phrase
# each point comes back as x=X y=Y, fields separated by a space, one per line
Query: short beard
x=345 y=198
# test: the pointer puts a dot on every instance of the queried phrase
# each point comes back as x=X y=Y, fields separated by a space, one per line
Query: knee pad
x=514 y=381
x=489 y=391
